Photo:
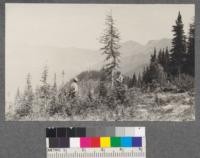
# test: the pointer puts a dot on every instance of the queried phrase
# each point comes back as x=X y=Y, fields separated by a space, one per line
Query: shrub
x=184 y=82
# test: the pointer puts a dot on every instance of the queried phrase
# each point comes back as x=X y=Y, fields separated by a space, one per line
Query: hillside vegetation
x=163 y=91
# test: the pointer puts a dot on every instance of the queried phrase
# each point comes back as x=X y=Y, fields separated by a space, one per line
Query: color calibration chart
x=96 y=142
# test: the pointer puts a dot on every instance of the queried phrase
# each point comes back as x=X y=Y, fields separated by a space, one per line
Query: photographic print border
x=160 y=89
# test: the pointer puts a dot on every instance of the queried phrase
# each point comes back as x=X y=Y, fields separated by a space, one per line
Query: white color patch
x=74 y=142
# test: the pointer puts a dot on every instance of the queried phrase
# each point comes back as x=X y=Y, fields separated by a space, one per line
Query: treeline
x=49 y=99
x=170 y=66
x=53 y=98
x=44 y=97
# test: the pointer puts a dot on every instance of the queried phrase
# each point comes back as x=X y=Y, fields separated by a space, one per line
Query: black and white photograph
x=99 y=62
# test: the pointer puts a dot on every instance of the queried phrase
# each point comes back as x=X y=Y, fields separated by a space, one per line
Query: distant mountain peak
x=130 y=42
x=135 y=56
x=130 y=47
x=152 y=42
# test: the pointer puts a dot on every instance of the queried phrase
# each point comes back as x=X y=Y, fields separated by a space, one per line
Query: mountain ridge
x=135 y=62
x=134 y=56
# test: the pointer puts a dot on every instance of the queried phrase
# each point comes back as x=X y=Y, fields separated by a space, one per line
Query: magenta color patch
x=85 y=142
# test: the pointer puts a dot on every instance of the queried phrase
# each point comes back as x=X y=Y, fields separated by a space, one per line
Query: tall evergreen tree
x=190 y=63
x=110 y=40
x=178 y=51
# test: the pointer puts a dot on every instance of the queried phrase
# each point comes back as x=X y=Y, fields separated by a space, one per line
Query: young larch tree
x=110 y=40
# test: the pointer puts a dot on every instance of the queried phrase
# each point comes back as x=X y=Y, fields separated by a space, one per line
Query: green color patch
x=115 y=142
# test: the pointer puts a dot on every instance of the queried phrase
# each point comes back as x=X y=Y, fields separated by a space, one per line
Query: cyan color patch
x=126 y=141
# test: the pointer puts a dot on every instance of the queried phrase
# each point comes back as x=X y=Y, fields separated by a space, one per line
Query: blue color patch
x=137 y=141
x=126 y=141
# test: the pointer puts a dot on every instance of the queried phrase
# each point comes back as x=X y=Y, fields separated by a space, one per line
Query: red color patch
x=95 y=142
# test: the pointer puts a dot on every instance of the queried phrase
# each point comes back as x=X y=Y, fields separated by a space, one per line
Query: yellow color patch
x=105 y=142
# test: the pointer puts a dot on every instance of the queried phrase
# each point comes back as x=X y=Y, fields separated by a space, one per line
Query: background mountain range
x=135 y=56
x=31 y=59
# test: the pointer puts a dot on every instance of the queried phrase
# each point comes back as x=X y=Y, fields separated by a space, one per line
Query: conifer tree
x=190 y=63
x=134 y=80
x=53 y=99
x=55 y=84
x=166 y=60
x=178 y=51
x=18 y=99
x=102 y=86
x=28 y=93
x=139 y=80
x=27 y=99
x=154 y=56
x=110 y=40
x=160 y=57
x=152 y=70
x=102 y=89
x=163 y=59
x=146 y=76
x=63 y=77
x=44 y=88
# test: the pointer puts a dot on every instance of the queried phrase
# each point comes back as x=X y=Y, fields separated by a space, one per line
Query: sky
x=30 y=27
x=80 y=25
